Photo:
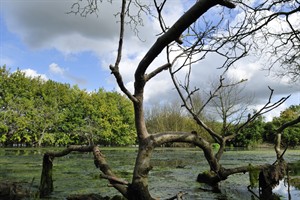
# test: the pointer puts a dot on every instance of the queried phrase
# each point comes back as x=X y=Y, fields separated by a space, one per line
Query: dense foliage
x=291 y=135
x=251 y=135
x=38 y=112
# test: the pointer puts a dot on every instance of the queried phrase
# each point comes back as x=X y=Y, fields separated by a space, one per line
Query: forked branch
x=172 y=34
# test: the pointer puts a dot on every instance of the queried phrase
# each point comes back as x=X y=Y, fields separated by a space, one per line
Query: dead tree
x=182 y=41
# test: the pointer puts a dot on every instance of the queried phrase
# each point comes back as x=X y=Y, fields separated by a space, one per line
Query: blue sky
x=37 y=36
x=81 y=68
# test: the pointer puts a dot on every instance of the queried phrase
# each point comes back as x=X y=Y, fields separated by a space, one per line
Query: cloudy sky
x=40 y=38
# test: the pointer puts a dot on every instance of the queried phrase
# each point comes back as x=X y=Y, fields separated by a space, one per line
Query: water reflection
x=286 y=190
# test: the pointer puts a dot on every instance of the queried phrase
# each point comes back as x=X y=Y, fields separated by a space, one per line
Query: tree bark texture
x=46 y=184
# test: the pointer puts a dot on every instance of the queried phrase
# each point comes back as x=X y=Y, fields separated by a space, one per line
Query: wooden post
x=46 y=185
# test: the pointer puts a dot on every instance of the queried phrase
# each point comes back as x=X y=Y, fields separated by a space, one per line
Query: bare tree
x=231 y=105
x=186 y=42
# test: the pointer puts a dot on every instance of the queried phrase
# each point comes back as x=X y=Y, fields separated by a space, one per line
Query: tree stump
x=46 y=185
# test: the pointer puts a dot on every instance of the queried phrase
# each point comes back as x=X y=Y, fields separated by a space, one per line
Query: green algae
x=173 y=170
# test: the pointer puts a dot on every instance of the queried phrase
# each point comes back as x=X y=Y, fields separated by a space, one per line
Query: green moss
x=215 y=146
x=253 y=176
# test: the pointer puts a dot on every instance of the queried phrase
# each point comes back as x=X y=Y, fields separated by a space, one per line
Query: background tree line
x=36 y=112
x=172 y=117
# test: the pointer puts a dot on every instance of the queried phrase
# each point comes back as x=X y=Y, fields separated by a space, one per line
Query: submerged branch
x=114 y=179
x=100 y=162
x=46 y=185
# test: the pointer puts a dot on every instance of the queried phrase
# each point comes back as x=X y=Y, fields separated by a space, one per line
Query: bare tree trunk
x=139 y=187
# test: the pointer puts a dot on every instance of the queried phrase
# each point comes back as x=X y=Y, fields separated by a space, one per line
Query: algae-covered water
x=175 y=169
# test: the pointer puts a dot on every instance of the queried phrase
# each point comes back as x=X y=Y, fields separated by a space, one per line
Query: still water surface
x=174 y=170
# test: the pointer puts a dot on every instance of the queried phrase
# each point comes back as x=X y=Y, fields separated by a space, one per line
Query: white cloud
x=64 y=73
x=39 y=24
x=246 y=71
x=56 y=69
x=45 y=25
x=33 y=74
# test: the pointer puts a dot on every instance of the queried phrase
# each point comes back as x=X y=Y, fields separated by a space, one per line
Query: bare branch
x=100 y=162
x=227 y=3
x=118 y=76
x=115 y=69
x=190 y=110
x=103 y=166
x=171 y=35
x=157 y=71
x=113 y=179
x=265 y=109
x=192 y=138
x=70 y=149
x=90 y=7
x=135 y=16
x=280 y=44
x=159 y=9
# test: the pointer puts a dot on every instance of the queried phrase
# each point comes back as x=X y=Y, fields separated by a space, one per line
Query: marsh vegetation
x=175 y=169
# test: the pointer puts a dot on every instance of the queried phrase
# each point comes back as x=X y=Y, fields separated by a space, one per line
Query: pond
x=175 y=169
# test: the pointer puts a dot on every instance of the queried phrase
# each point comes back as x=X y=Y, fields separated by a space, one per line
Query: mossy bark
x=46 y=185
x=270 y=177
